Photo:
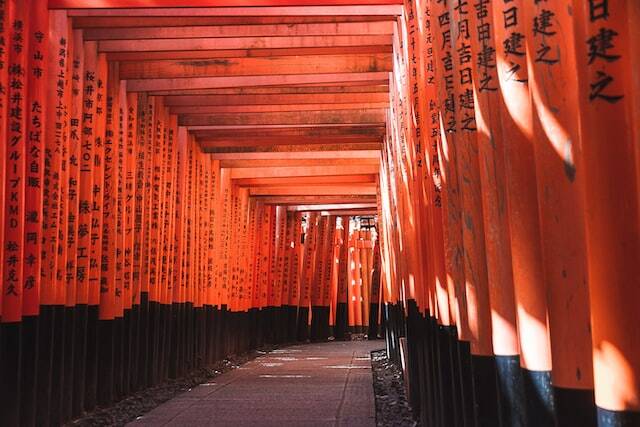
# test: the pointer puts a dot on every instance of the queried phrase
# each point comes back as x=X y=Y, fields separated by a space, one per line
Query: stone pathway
x=327 y=384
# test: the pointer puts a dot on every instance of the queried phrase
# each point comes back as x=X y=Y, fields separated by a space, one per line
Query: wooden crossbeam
x=240 y=43
x=244 y=30
x=246 y=53
x=316 y=130
x=91 y=22
x=310 y=142
x=381 y=86
x=369 y=154
x=376 y=116
x=271 y=108
x=177 y=8
x=350 y=212
x=144 y=85
x=281 y=65
x=266 y=172
x=306 y=180
x=320 y=190
x=314 y=200
x=330 y=207
x=277 y=147
x=274 y=99
x=295 y=162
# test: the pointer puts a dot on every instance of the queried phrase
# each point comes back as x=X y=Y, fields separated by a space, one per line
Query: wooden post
x=560 y=177
x=604 y=65
x=14 y=224
x=36 y=76
x=522 y=204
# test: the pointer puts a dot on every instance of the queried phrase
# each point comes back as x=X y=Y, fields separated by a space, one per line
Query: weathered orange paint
x=522 y=195
x=35 y=137
x=612 y=211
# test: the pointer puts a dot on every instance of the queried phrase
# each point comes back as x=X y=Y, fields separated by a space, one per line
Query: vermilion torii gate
x=178 y=181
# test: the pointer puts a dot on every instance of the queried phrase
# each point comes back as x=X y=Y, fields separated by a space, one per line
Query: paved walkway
x=326 y=384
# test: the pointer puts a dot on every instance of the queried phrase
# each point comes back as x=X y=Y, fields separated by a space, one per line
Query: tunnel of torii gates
x=186 y=180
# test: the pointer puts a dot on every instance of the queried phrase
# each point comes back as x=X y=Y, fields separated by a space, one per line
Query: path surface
x=328 y=384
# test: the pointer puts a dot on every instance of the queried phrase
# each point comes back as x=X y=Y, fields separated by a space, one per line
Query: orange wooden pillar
x=335 y=271
x=252 y=245
x=129 y=242
x=441 y=24
x=144 y=195
x=468 y=169
x=462 y=301
x=612 y=210
x=120 y=292
x=53 y=256
x=95 y=164
x=36 y=86
x=432 y=173
x=177 y=355
x=84 y=110
x=358 y=306
x=109 y=242
x=76 y=321
x=560 y=180
x=188 y=254
x=169 y=240
x=265 y=266
x=197 y=254
x=139 y=306
x=158 y=150
x=365 y=268
x=243 y=258
x=496 y=222
x=4 y=108
x=295 y=275
x=14 y=148
x=214 y=238
x=288 y=280
x=351 y=282
x=317 y=314
x=392 y=267
x=402 y=153
x=522 y=204
x=271 y=275
x=64 y=296
x=375 y=320
x=306 y=275
x=325 y=277
x=408 y=111
x=255 y=297
x=188 y=276
x=633 y=15
x=279 y=245
x=438 y=356
x=341 y=305
x=163 y=125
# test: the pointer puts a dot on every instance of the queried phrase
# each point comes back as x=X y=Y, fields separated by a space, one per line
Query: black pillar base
x=575 y=407
x=511 y=390
x=485 y=390
x=342 y=321
x=303 y=324
x=607 y=418
x=29 y=373
x=10 y=378
x=539 y=399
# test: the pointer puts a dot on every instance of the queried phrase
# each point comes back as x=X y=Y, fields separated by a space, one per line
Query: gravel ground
x=392 y=408
x=144 y=401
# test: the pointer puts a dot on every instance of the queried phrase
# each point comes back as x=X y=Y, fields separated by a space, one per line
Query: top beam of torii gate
x=327 y=4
